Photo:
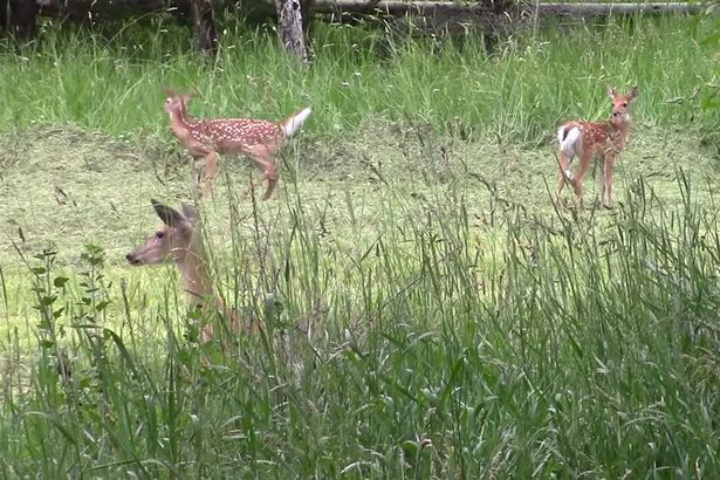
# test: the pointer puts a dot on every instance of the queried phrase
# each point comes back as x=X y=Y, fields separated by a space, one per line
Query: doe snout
x=134 y=260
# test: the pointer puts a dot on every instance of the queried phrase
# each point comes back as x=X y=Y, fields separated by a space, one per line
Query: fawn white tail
x=179 y=240
x=586 y=139
x=260 y=140
x=293 y=123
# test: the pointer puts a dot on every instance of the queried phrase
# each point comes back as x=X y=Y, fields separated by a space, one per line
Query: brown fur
x=605 y=139
x=260 y=140
x=179 y=240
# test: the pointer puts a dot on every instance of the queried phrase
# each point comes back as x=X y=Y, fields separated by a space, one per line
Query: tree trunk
x=18 y=17
x=307 y=17
x=201 y=12
x=3 y=17
x=291 y=32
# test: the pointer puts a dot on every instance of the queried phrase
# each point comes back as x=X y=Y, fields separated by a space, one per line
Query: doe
x=585 y=139
x=179 y=240
x=260 y=140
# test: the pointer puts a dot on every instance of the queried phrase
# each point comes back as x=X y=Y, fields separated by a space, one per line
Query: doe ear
x=633 y=93
x=612 y=93
x=190 y=213
x=193 y=91
x=169 y=216
x=170 y=92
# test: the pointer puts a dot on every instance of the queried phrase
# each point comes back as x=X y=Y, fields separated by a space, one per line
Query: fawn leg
x=264 y=158
x=602 y=179
x=585 y=158
x=607 y=180
x=271 y=176
x=564 y=165
x=211 y=161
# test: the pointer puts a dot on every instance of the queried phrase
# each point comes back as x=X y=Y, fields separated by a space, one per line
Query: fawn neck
x=180 y=122
x=619 y=128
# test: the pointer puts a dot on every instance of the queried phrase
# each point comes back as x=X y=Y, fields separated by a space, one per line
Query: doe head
x=171 y=241
x=621 y=103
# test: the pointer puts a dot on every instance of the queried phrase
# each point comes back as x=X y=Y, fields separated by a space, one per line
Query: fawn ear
x=169 y=216
x=169 y=92
x=193 y=91
x=612 y=93
x=190 y=213
x=633 y=93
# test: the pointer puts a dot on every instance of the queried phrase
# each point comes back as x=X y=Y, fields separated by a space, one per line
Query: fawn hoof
x=564 y=202
x=207 y=190
x=270 y=188
x=249 y=190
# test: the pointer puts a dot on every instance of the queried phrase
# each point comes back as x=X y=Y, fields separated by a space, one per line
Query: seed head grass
x=430 y=312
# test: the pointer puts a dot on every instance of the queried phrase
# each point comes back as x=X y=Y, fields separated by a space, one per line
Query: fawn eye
x=625 y=105
x=159 y=235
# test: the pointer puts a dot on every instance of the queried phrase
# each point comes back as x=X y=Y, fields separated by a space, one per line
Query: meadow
x=430 y=312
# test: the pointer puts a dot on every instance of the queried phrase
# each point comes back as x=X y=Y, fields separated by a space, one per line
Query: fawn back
x=260 y=140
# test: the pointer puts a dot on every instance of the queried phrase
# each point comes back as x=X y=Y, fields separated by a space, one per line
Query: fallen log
x=397 y=7
x=604 y=9
x=428 y=8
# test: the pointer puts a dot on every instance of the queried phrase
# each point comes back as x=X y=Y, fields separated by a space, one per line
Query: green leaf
x=48 y=299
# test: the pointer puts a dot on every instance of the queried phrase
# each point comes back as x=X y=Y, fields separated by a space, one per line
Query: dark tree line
x=18 y=18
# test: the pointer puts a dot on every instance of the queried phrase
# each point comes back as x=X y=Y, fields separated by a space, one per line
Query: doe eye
x=159 y=235
x=625 y=105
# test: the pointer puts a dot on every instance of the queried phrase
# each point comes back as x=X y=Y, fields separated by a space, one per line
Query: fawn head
x=177 y=101
x=621 y=103
x=172 y=241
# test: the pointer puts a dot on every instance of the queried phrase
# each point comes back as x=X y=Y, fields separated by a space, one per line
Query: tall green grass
x=564 y=350
x=534 y=79
x=430 y=334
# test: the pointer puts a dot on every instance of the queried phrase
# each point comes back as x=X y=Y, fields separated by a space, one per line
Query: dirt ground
x=67 y=188
x=64 y=188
